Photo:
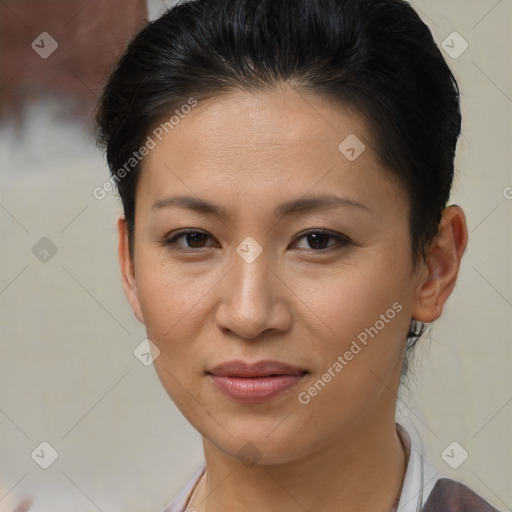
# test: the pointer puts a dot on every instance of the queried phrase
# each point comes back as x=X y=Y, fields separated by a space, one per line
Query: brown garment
x=451 y=496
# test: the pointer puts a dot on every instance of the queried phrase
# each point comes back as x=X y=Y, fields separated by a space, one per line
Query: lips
x=255 y=382
x=259 y=369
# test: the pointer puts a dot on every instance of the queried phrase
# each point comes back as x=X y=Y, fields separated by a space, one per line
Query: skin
x=296 y=303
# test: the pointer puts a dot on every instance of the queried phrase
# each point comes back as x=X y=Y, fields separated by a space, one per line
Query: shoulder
x=425 y=489
x=451 y=496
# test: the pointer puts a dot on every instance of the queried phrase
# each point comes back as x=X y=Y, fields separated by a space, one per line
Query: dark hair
x=375 y=55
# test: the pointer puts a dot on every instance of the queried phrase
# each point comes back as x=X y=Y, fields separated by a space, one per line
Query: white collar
x=420 y=476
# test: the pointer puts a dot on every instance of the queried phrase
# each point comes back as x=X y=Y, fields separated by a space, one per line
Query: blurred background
x=74 y=398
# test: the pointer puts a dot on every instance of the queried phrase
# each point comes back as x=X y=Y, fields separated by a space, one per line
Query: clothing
x=423 y=489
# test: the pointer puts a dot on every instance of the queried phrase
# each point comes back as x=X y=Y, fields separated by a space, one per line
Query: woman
x=285 y=169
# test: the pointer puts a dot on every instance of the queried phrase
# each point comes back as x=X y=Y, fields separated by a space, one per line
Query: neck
x=362 y=470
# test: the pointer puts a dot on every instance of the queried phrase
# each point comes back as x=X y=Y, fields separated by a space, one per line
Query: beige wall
x=68 y=375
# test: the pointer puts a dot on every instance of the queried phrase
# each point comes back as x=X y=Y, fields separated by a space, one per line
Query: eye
x=193 y=240
x=318 y=240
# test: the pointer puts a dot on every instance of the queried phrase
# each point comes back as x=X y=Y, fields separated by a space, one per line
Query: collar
x=420 y=476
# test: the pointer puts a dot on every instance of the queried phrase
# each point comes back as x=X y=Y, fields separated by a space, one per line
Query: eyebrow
x=303 y=204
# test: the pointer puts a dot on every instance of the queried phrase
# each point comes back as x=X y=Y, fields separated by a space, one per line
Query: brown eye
x=193 y=240
x=319 y=240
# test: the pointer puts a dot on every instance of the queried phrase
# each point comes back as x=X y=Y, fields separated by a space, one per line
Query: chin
x=261 y=443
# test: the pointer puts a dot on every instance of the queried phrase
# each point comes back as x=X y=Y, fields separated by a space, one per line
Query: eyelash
x=343 y=241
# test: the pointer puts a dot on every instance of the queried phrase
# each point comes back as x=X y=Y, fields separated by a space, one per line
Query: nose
x=253 y=299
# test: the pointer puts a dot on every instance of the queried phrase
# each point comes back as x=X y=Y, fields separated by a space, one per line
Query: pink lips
x=257 y=382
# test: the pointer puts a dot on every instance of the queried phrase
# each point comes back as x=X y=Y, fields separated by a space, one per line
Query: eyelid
x=322 y=231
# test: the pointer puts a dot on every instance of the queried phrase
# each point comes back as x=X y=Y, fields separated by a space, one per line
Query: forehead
x=265 y=119
x=254 y=143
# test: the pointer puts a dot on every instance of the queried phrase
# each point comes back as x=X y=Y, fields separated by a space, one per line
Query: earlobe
x=443 y=263
x=127 y=268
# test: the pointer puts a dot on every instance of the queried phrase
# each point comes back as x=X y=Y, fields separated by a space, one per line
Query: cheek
x=170 y=297
x=352 y=298
x=360 y=363
x=172 y=305
x=365 y=312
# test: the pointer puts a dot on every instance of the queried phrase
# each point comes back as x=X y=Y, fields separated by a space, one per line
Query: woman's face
x=254 y=285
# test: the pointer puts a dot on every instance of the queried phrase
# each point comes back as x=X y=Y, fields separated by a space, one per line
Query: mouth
x=255 y=382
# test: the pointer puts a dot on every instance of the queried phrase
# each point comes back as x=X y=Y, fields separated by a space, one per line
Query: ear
x=127 y=268
x=443 y=263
